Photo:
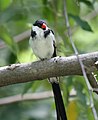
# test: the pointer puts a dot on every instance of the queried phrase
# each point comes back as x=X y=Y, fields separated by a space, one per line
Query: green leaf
x=88 y=3
x=27 y=87
x=4 y=4
x=72 y=7
x=82 y=23
x=5 y=36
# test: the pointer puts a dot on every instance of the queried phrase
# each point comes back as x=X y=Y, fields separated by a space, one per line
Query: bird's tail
x=60 y=109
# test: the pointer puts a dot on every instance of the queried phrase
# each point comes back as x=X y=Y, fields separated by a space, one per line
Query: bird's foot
x=56 y=59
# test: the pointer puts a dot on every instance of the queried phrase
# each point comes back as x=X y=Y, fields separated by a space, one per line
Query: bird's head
x=41 y=24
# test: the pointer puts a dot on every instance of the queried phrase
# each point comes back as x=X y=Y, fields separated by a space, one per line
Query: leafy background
x=17 y=16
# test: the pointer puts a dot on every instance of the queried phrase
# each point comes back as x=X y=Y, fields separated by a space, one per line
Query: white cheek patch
x=37 y=29
x=39 y=32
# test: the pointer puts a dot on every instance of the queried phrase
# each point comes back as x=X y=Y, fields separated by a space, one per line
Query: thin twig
x=17 y=38
x=26 y=97
x=80 y=61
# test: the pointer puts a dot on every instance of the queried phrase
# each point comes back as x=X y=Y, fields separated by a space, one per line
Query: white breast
x=42 y=47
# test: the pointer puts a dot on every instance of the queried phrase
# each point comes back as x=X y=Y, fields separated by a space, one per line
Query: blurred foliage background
x=16 y=17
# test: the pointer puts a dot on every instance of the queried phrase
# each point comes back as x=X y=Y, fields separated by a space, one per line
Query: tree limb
x=59 y=66
x=26 y=97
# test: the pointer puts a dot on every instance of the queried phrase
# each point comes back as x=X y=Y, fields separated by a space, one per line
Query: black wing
x=54 y=54
x=33 y=33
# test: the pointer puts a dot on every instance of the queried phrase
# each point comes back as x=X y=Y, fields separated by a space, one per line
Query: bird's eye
x=43 y=26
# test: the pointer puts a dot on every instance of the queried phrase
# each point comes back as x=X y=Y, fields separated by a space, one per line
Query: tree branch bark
x=59 y=66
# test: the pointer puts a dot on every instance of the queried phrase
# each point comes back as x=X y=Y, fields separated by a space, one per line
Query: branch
x=17 y=38
x=59 y=66
x=26 y=97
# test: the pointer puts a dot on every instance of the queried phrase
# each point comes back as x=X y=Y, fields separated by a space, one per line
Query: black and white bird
x=42 y=42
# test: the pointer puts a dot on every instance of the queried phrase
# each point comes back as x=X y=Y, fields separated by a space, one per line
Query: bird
x=43 y=44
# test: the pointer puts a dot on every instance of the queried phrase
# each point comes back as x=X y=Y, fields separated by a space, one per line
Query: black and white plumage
x=42 y=42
